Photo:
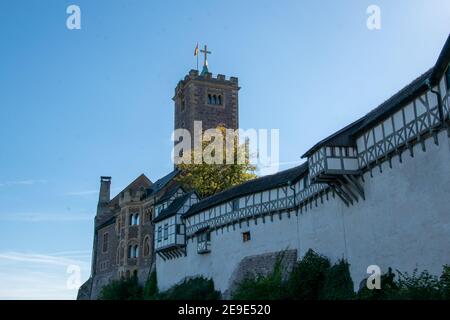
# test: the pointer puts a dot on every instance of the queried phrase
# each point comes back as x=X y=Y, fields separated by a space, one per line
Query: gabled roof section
x=140 y=182
x=173 y=208
x=169 y=193
x=340 y=138
x=161 y=183
x=256 y=185
x=346 y=136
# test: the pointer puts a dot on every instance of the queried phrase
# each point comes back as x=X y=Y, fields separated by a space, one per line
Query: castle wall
x=404 y=223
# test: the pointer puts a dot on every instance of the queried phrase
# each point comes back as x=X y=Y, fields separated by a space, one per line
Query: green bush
x=388 y=289
x=445 y=282
x=259 y=287
x=151 y=287
x=423 y=286
x=308 y=276
x=197 y=288
x=123 y=289
x=338 y=283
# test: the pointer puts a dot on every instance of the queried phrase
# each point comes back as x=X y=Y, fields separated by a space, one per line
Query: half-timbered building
x=376 y=192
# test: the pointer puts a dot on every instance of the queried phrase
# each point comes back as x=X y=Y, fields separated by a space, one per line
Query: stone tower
x=211 y=100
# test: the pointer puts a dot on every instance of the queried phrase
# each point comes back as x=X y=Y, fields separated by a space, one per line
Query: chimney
x=105 y=190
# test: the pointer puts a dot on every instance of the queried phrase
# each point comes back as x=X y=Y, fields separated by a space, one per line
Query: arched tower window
x=130 y=222
x=146 y=246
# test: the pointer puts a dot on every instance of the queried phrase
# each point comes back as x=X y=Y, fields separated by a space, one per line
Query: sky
x=78 y=104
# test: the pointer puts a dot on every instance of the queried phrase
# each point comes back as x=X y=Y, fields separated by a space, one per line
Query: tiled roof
x=173 y=207
x=169 y=193
x=161 y=183
x=260 y=184
x=140 y=182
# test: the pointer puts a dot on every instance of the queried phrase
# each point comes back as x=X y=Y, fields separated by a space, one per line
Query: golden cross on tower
x=205 y=62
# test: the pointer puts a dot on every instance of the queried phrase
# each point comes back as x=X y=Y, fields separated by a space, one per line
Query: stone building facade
x=123 y=231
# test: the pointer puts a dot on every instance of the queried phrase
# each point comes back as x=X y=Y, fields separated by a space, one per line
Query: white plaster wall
x=403 y=223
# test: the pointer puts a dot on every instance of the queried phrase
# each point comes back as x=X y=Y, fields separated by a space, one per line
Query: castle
x=375 y=193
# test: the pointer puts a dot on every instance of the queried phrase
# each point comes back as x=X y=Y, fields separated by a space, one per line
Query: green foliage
x=312 y=278
x=338 y=283
x=259 y=287
x=123 y=289
x=418 y=286
x=308 y=276
x=151 y=287
x=197 y=288
x=445 y=282
x=388 y=290
x=207 y=177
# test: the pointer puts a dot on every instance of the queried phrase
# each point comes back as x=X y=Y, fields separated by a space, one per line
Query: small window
x=215 y=99
x=131 y=220
x=134 y=219
x=133 y=251
x=235 y=204
x=105 y=241
x=246 y=236
x=182 y=106
x=159 y=234
x=166 y=231
x=203 y=242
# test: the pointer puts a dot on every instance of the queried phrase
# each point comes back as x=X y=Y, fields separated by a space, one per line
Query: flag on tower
x=196 y=50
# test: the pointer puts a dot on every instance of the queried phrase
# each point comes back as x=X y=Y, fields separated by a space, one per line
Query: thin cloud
x=38 y=258
x=28 y=182
x=25 y=275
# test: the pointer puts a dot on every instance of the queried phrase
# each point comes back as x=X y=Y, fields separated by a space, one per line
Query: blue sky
x=78 y=104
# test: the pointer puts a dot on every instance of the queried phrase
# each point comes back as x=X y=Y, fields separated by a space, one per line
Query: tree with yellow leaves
x=223 y=163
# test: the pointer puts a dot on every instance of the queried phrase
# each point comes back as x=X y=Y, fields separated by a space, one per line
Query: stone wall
x=404 y=223
x=262 y=264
